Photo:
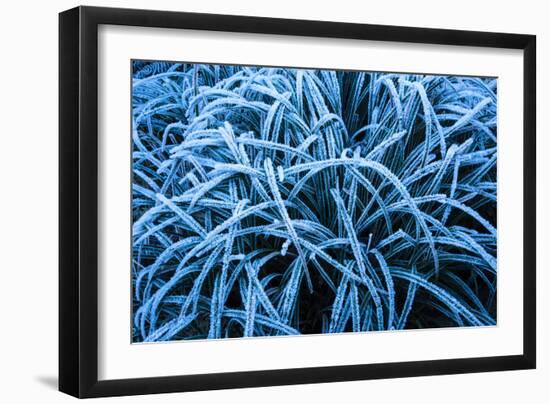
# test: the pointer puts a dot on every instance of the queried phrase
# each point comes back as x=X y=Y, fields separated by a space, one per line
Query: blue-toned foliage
x=279 y=201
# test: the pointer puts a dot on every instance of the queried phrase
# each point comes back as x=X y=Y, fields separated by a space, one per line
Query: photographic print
x=280 y=201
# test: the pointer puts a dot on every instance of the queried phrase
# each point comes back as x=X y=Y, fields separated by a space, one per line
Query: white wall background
x=28 y=199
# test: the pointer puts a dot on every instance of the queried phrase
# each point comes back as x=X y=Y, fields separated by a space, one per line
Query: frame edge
x=69 y=47
x=529 y=201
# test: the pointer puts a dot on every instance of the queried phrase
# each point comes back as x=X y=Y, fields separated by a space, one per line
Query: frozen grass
x=277 y=201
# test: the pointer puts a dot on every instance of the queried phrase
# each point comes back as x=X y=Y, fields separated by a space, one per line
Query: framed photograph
x=251 y=201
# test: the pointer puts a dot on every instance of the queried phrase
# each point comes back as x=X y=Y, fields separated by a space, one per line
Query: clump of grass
x=278 y=201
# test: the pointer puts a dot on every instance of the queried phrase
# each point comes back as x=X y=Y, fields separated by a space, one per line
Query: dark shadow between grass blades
x=279 y=201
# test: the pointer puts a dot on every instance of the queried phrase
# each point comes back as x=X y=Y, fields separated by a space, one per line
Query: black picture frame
x=78 y=201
